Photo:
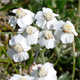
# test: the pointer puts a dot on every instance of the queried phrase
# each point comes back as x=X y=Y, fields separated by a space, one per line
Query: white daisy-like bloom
x=47 y=39
x=44 y=72
x=20 y=77
x=31 y=34
x=46 y=18
x=19 y=48
x=66 y=32
x=13 y=21
x=25 y=17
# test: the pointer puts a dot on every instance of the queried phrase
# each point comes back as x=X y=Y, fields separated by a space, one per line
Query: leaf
x=30 y=7
x=65 y=76
x=71 y=0
x=39 y=60
x=4 y=60
x=61 y=4
x=65 y=60
x=42 y=50
x=11 y=6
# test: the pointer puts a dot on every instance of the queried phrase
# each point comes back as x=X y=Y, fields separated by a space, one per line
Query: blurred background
x=67 y=10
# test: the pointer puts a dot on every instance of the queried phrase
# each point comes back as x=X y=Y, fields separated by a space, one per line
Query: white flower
x=58 y=25
x=19 y=77
x=19 y=47
x=12 y=21
x=25 y=17
x=31 y=34
x=47 y=39
x=46 y=18
x=66 y=32
x=44 y=72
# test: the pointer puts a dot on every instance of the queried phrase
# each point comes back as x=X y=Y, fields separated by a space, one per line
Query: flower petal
x=58 y=25
x=29 y=12
x=39 y=15
x=55 y=14
x=41 y=34
x=25 y=46
x=27 y=20
x=50 y=24
x=47 y=10
x=14 y=10
x=11 y=52
x=21 y=30
x=16 y=39
x=41 y=41
x=16 y=57
x=13 y=21
x=25 y=55
x=57 y=34
x=40 y=22
x=19 y=57
x=16 y=77
x=67 y=38
x=44 y=25
x=20 y=23
x=32 y=39
x=75 y=33
x=50 y=43
x=47 y=65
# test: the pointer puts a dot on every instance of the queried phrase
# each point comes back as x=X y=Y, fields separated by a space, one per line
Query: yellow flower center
x=17 y=47
x=67 y=28
x=48 y=34
x=20 y=13
x=48 y=16
x=30 y=30
x=42 y=72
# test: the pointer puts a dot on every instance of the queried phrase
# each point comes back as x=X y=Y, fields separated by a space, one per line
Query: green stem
x=7 y=32
x=6 y=67
x=2 y=64
x=10 y=60
x=56 y=62
x=66 y=52
x=31 y=58
x=77 y=21
x=57 y=51
x=66 y=61
x=22 y=65
x=42 y=51
x=74 y=60
x=51 y=57
x=8 y=27
x=4 y=60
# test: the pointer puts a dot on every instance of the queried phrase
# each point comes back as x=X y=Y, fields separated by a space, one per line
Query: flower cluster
x=44 y=72
x=39 y=72
x=50 y=31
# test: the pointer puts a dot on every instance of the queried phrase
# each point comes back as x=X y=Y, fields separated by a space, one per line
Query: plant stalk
x=10 y=60
x=78 y=13
x=8 y=27
x=74 y=61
